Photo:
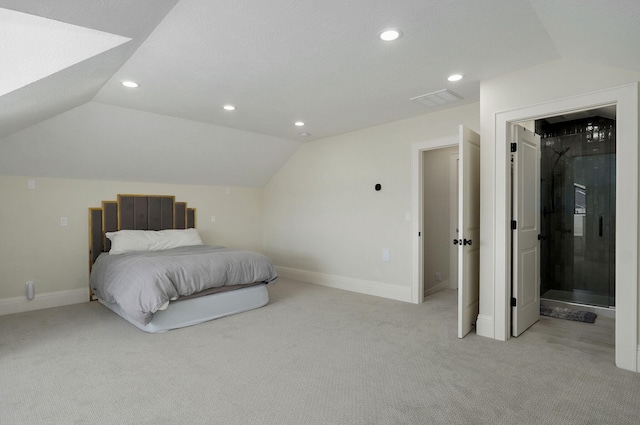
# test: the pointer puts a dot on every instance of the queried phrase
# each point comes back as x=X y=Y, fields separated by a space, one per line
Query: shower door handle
x=600 y=223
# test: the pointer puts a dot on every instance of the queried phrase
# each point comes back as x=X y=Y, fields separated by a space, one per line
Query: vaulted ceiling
x=277 y=61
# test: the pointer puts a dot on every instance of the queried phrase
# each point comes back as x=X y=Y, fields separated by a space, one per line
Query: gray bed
x=171 y=288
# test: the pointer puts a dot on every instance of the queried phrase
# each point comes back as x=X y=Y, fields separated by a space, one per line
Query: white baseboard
x=484 y=326
x=379 y=289
x=437 y=288
x=44 y=300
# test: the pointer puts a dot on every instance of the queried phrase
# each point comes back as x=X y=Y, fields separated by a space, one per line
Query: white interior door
x=469 y=227
x=525 y=291
x=454 y=172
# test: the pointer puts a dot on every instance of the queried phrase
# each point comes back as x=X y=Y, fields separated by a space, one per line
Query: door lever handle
x=462 y=241
x=600 y=226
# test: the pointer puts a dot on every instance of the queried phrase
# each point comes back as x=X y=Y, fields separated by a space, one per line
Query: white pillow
x=174 y=238
x=124 y=241
x=128 y=241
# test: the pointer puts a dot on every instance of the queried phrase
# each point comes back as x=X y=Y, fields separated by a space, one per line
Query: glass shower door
x=578 y=212
x=594 y=230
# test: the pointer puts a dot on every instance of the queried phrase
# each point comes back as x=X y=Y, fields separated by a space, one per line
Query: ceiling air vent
x=437 y=98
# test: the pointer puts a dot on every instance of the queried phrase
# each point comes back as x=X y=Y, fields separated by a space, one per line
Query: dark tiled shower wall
x=574 y=154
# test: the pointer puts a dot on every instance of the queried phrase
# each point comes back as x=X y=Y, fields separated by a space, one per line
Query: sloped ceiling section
x=104 y=142
x=278 y=62
x=78 y=82
x=594 y=31
x=34 y=48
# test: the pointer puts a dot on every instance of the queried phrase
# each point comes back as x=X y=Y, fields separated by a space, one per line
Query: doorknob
x=467 y=242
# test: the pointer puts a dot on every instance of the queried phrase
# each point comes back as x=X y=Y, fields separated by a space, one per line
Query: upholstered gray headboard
x=135 y=212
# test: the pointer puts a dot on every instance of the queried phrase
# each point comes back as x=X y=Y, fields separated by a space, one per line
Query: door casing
x=417 y=271
x=626 y=100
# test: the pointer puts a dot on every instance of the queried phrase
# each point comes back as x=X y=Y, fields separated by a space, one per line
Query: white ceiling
x=34 y=48
x=279 y=61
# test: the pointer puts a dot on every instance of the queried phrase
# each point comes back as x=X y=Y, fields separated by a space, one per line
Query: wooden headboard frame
x=135 y=212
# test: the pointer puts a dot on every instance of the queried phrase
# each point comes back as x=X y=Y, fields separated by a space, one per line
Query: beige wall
x=35 y=247
x=322 y=214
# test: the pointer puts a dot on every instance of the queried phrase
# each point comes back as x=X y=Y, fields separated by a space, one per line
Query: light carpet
x=313 y=355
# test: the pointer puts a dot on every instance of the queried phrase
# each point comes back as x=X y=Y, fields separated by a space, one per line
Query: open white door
x=525 y=291
x=469 y=227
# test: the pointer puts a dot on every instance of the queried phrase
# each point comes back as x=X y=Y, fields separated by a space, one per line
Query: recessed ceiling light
x=229 y=108
x=130 y=84
x=455 y=77
x=299 y=123
x=304 y=134
x=390 y=34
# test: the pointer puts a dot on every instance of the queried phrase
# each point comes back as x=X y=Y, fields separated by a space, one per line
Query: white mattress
x=197 y=310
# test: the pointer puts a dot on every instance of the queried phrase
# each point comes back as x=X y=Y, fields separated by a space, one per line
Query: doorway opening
x=578 y=207
x=495 y=320
x=440 y=219
x=418 y=152
x=563 y=214
x=467 y=241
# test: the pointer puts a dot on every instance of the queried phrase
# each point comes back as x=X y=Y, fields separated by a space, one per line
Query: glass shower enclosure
x=578 y=181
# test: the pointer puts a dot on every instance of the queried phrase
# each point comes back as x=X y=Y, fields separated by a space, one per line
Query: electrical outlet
x=64 y=222
x=213 y=218
x=438 y=277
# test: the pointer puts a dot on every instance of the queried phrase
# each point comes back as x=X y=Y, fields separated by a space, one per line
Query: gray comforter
x=142 y=282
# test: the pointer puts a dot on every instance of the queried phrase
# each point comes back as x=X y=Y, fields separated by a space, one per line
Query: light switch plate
x=385 y=255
